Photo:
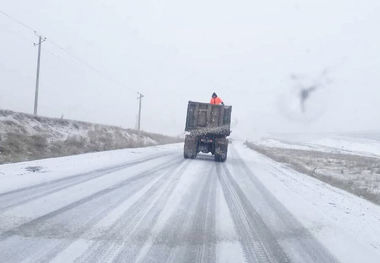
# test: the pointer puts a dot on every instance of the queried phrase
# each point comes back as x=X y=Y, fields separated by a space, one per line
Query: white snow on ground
x=17 y=175
x=355 y=145
x=271 y=142
x=347 y=225
x=359 y=145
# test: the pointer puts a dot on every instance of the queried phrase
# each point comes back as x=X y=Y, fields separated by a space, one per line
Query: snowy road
x=151 y=205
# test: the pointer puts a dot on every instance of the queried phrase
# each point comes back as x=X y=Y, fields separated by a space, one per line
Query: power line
x=79 y=60
x=17 y=21
x=86 y=64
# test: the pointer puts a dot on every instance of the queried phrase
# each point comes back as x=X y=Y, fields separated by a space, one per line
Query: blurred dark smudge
x=306 y=90
x=304 y=95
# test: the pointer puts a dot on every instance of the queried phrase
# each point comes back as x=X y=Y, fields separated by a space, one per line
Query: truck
x=207 y=127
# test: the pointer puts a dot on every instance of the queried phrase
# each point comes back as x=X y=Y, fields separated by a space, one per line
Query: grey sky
x=174 y=51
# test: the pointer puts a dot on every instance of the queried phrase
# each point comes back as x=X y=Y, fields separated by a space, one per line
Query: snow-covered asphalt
x=151 y=205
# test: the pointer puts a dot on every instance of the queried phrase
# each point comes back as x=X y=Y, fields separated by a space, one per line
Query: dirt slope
x=27 y=137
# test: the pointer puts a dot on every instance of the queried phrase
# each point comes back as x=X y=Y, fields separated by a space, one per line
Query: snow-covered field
x=367 y=144
x=349 y=162
x=151 y=205
x=27 y=137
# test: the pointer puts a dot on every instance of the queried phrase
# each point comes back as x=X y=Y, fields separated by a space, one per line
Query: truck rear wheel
x=191 y=147
x=221 y=147
x=220 y=158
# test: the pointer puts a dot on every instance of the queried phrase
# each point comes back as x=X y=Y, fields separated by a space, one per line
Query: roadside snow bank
x=26 y=137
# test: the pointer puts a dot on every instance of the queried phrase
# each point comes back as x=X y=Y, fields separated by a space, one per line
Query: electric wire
x=76 y=58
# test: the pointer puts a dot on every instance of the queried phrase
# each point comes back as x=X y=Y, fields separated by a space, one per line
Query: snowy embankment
x=348 y=162
x=26 y=137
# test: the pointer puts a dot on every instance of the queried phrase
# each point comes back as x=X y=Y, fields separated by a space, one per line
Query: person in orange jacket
x=216 y=100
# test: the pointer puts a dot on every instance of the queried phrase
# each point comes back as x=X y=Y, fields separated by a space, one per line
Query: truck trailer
x=208 y=126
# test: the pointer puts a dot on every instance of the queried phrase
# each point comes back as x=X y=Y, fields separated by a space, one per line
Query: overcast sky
x=257 y=55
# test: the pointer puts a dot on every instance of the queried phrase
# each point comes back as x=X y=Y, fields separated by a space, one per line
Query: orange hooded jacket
x=216 y=101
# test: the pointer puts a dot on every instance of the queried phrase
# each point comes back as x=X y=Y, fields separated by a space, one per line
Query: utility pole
x=39 y=44
x=139 y=117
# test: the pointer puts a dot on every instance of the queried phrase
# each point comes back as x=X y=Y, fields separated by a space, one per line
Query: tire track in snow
x=31 y=226
x=144 y=231
x=258 y=242
x=202 y=231
x=62 y=238
x=124 y=239
x=106 y=238
x=41 y=227
x=189 y=234
x=293 y=235
x=27 y=194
